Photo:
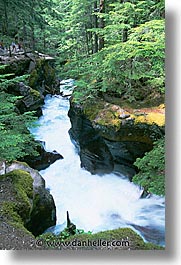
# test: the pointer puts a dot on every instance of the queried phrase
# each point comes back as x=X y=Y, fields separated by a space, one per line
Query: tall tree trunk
x=125 y=30
x=24 y=36
x=125 y=34
x=5 y=30
x=33 y=37
x=101 y=23
x=32 y=25
x=44 y=41
x=95 y=25
x=87 y=40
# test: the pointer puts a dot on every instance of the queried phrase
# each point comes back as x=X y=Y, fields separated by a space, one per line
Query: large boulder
x=123 y=133
x=41 y=211
x=42 y=75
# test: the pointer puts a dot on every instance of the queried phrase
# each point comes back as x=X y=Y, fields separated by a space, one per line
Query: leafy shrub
x=16 y=140
x=151 y=169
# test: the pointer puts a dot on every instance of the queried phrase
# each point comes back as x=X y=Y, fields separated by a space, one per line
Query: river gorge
x=95 y=202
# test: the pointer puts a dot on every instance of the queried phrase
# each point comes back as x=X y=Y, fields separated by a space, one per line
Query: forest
x=113 y=49
x=109 y=46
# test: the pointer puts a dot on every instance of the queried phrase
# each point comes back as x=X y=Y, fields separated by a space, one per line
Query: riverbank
x=113 y=200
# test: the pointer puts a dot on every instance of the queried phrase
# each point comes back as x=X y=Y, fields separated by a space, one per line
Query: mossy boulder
x=43 y=77
x=43 y=213
x=15 y=207
x=125 y=123
x=17 y=197
x=125 y=238
x=29 y=203
x=127 y=132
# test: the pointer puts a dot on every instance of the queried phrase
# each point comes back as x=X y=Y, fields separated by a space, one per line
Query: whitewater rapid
x=95 y=203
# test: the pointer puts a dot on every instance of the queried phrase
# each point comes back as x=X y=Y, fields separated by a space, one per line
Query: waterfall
x=95 y=203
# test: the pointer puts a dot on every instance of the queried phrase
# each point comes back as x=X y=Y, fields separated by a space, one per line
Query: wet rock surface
x=94 y=153
x=122 y=134
x=45 y=158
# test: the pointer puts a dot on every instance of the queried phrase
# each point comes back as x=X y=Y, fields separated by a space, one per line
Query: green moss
x=150 y=118
x=35 y=93
x=107 y=114
x=23 y=184
x=102 y=114
x=33 y=78
x=49 y=71
x=126 y=236
x=108 y=118
x=91 y=109
x=20 y=163
x=36 y=74
x=18 y=209
x=9 y=210
x=43 y=72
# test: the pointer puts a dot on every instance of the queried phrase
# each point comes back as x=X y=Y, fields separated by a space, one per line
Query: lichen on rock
x=126 y=132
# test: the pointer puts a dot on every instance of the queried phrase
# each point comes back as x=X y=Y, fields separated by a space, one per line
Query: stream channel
x=95 y=203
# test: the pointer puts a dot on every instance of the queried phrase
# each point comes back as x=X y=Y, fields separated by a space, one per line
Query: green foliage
x=140 y=58
x=122 y=234
x=131 y=64
x=9 y=79
x=23 y=19
x=65 y=234
x=151 y=169
x=4 y=83
x=16 y=140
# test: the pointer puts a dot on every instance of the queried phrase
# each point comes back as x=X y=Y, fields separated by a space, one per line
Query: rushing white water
x=95 y=203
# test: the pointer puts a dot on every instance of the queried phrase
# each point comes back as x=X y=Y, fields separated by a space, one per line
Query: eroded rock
x=94 y=153
x=126 y=133
x=45 y=158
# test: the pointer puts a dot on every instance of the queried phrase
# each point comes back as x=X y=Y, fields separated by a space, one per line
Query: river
x=95 y=203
